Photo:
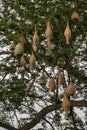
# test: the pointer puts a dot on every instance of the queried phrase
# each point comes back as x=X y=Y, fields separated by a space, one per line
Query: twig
x=49 y=123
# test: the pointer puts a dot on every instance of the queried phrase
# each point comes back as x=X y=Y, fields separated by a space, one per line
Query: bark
x=5 y=52
x=48 y=109
x=42 y=113
x=40 y=116
x=71 y=128
x=7 y=126
x=80 y=103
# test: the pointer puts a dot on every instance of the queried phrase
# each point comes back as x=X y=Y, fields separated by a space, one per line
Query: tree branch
x=46 y=110
x=40 y=116
x=79 y=103
x=71 y=128
x=49 y=123
x=5 y=52
x=7 y=126
x=42 y=113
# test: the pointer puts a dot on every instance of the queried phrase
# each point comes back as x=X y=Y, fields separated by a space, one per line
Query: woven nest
x=60 y=77
x=35 y=37
x=67 y=34
x=23 y=61
x=42 y=80
x=22 y=38
x=66 y=104
x=75 y=16
x=12 y=46
x=61 y=62
x=71 y=89
x=48 y=31
x=32 y=61
x=19 y=49
x=51 y=85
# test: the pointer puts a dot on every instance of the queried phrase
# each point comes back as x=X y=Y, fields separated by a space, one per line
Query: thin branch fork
x=5 y=52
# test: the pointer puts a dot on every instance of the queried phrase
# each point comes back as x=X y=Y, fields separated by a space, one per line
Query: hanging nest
x=51 y=85
x=48 y=33
x=35 y=37
x=12 y=46
x=66 y=105
x=71 y=89
x=19 y=49
x=22 y=61
x=42 y=80
x=10 y=22
x=61 y=62
x=22 y=39
x=34 y=47
x=32 y=61
x=75 y=16
x=60 y=77
x=49 y=52
x=67 y=34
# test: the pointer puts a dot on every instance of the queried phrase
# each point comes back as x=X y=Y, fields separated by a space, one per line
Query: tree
x=24 y=88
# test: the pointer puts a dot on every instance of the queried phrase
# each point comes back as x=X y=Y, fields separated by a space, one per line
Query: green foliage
x=19 y=87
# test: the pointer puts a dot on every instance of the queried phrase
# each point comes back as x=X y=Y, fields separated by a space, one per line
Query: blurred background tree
x=24 y=92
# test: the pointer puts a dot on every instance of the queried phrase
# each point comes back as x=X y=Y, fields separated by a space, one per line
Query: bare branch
x=49 y=123
x=7 y=126
x=49 y=109
x=80 y=103
x=40 y=116
x=42 y=113
x=5 y=52
x=70 y=128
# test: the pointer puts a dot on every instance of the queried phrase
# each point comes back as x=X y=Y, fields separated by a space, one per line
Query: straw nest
x=51 y=84
x=71 y=89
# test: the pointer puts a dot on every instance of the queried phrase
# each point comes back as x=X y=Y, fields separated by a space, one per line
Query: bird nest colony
x=18 y=49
